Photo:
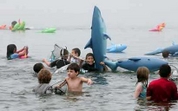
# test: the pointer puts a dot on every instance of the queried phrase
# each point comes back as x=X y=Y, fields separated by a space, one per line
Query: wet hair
x=64 y=52
x=89 y=54
x=74 y=66
x=165 y=54
x=44 y=76
x=13 y=23
x=142 y=75
x=77 y=51
x=37 y=67
x=10 y=50
x=164 y=70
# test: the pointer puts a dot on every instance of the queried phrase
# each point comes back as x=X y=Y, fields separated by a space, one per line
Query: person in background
x=60 y=62
x=142 y=81
x=162 y=89
x=12 y=52
x=74 y=57
x=37 y=67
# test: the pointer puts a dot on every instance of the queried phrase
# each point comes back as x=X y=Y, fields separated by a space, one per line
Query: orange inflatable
x=3 y=27
x=159 y=27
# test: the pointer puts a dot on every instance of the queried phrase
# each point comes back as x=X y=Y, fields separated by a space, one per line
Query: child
x=37 y=67
x=89 y=64
x=12 y=52
x=74 y=82
x=162 y=89
x=60 y=62
x=142 y=81
x=74 y=56
x=44 y=78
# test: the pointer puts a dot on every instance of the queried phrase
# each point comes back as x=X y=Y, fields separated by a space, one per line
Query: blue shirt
x=14 y=56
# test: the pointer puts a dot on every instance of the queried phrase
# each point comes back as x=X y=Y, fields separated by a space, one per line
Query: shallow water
x=127 y=22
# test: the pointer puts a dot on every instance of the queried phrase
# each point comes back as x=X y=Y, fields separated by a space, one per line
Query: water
x=127 y=22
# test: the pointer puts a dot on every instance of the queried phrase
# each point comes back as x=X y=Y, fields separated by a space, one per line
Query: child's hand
x=102 y=63
x=89 y=82
x=43 y=60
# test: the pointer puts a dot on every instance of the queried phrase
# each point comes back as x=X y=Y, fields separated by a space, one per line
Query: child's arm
x=105 y=67
x=86 y=80
x=62 y=84
x=138 y=90
x=46 y=62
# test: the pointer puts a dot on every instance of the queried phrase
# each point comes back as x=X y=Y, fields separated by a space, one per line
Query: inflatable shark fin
x=88 y=45
x=134 y=59
x=107 y=36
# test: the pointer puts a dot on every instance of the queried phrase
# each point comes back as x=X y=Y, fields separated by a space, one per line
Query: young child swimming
x=12 y=52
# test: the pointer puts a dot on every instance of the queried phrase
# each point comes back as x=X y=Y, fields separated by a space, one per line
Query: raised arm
x=86 y=80
x=46 y=62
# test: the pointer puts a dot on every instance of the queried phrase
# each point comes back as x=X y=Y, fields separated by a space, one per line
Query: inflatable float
x=18 y=26
x=2 y=27
x=116 y=48
x=158 y=28
x=49 y=30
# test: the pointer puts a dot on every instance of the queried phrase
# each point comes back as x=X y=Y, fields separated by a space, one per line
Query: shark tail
x=112 y=65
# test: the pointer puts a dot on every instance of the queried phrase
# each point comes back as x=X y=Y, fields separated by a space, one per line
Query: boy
x=162 y=89
x=60 y=62
x=74 y=56
x=74 y=83
x=37 y=67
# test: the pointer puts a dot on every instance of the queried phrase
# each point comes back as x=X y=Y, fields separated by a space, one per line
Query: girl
x=142 y=81
x=44 y=78
x=89 y=64
x=12 y=52
x=60 y=62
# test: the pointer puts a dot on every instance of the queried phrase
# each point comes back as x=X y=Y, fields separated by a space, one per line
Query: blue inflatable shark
x=98 y=40
x=116 y=48
x=98 y=44
x=132 y=64
x=173 y=50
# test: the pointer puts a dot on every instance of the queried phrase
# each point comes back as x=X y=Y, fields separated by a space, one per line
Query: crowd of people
x=159 y=90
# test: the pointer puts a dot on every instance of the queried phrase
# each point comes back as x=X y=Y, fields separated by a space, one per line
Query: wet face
x=74 y=53
x=65 y=56
x=90 y=60
x=72 y=73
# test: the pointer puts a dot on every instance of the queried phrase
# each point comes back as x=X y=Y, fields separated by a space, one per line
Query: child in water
x=142 y=82
x=74 y=82
x=12 y=52
x=44 y=78
x=37 y=67
x=89 y=64
x=74 y=56
x=60 y=62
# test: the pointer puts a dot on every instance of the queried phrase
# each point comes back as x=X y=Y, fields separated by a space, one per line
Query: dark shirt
x=89 y=67
x=162 y=90
x=59 y=63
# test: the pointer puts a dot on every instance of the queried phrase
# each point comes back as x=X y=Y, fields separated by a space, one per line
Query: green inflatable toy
x=48 y=30
x=19 y=26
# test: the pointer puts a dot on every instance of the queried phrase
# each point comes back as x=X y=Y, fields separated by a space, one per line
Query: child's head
x=142 y=74
x=64 y=53
x=73 y=70
x=44 y=76
x=37 y=67
x=11 y=48
x=165 y=71
x=13 y=23
x=76 y=52
x=165 y=54
x=90 y=58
